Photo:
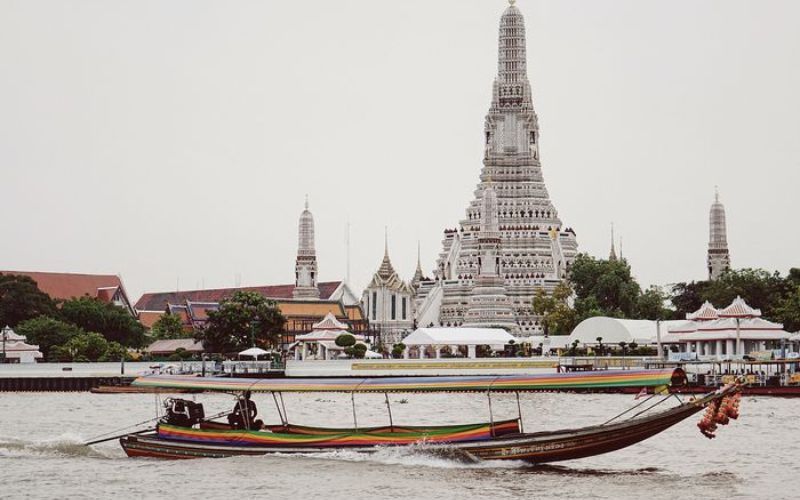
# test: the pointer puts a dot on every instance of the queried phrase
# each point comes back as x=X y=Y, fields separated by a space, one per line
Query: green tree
x=112 y=322
x=21 y=299
x=356 y=351
x=603 y=286
x=242 y=319
x=397 y=350
x=651 y=304
x=47 y=333
x=85 y=346
x=557 y=317
x=759 y=288
x=345 y=340
x=788 y=311
x=116 y=352
x=168 y=326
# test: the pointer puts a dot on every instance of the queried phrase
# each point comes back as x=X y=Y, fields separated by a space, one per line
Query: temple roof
x=65 y=286
x=706 y=312
x=739 y=309
x=158 y=301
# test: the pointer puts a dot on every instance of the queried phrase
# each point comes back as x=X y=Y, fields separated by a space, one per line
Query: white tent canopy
x=615 y=330
x=437 y=338
x=458 y=336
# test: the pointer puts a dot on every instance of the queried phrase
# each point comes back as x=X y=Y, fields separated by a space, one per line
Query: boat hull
x=541 y=447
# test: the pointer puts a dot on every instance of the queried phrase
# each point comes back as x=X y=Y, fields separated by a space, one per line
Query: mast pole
x=389 y=407
x=519 y=413
x=353 y=401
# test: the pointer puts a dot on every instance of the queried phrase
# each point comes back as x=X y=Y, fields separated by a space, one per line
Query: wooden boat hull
x=541 y=447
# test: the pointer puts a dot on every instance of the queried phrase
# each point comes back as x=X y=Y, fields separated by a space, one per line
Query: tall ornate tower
x=719 y=259
x=489 y=304
x=305 y=269
x=534 y=250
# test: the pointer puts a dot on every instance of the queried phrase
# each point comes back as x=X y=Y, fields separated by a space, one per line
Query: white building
x=306 y=262
x=15 y=348
x=388 y=302
x=534 y=250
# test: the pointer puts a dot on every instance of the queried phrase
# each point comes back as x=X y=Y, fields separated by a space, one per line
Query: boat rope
x=651 y=407
x=100 y=436
x=629 y=409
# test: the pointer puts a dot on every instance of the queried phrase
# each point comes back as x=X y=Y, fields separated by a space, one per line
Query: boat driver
x=244 y=413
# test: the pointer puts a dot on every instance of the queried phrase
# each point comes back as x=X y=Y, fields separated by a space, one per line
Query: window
x=374 y=305
x=394 y=306
x=404 y=307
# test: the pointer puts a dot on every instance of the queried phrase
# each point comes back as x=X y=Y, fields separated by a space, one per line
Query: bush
x=397 y=350
x=345 y=340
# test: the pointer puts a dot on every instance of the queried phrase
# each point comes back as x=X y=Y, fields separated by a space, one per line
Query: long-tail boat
x=191 y=435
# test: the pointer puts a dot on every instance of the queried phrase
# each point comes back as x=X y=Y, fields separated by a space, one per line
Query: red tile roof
x=158 y=301
x=69 y=285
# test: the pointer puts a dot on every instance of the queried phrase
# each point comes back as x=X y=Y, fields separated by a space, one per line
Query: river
x=41 y=455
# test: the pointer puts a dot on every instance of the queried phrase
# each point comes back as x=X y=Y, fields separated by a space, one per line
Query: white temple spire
x=306 y=262
x=719 y=259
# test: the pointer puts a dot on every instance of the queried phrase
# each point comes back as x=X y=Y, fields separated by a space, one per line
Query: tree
x=21 y=299
x=168 y=326
x=557 y=317
x=116 y=352
x=48 y=333
x=398 y=349
x=651 y=304
x=759 y=288
x=111 y=321
x=357 y=351
x=82 y=347
x=604 y=286
x=244 y=319
x=788 y=311
x=345 y=340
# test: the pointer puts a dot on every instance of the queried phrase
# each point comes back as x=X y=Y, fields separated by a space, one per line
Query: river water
x=41 y=455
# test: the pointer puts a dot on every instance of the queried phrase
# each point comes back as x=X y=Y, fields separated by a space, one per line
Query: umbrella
x=254 y=352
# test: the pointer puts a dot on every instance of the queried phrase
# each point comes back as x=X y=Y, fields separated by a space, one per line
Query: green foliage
x=115 y=352
x=777 y=297
x=21 y=299
x=356 y=351
x=604 y=286
x=651 y=304
x=168 y=326
x=111 y=321
x=240 y=318
x=558 y=318
x=180 y=354
x=397 y=350
x=82 y=347
x=48 y=333
x=345 y=340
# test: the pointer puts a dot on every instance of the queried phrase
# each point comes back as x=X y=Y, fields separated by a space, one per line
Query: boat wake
x=66 y=445
x=419 y=455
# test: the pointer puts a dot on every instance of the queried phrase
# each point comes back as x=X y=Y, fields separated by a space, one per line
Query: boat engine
x=182 y=412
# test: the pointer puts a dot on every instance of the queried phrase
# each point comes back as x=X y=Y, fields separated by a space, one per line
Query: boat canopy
x=576 y=380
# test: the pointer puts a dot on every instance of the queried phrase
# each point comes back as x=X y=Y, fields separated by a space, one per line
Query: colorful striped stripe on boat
x=549 y=381
x=445 y=434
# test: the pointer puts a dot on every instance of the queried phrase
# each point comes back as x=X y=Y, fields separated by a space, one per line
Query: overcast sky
x=173 y=142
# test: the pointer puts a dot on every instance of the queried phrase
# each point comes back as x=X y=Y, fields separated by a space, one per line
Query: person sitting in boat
x=244 y=413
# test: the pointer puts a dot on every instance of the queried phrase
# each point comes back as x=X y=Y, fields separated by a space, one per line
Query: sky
x=174 y=142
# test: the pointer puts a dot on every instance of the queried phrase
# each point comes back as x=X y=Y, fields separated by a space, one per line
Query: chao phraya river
x=40 y=454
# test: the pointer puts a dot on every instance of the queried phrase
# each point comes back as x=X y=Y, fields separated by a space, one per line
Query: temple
x=719 y=259
x=388 y=301
x=529 y=248
x=305 y=268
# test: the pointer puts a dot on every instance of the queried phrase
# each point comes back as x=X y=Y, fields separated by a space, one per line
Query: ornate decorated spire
x=306 y=263
x=613 y=254
x=386 y=270
x=719 y=259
